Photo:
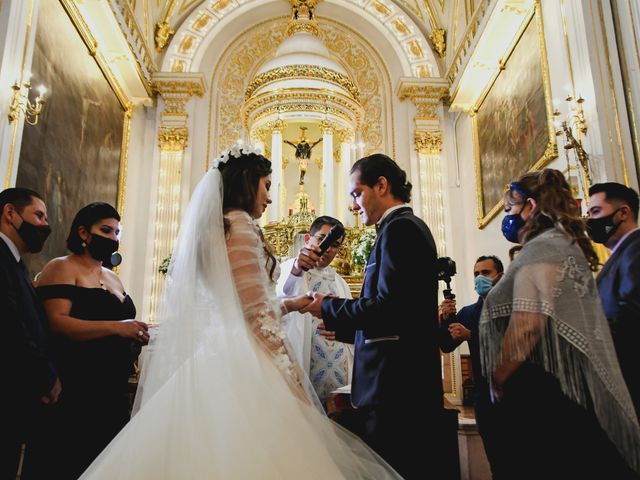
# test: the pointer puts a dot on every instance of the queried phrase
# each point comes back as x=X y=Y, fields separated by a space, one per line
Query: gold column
x=173 y=135
x=426 y=95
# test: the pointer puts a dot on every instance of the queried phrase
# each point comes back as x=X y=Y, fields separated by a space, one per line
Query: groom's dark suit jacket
x=25 y=368
x=394 y=322
x=619 y=287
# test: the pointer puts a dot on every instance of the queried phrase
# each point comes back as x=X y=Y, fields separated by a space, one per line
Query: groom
x=397 y=383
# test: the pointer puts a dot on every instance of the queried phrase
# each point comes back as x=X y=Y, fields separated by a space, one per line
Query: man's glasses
x=320 y=237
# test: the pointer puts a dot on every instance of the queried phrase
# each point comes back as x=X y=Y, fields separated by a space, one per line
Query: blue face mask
x=511 y=225
x=483 y=285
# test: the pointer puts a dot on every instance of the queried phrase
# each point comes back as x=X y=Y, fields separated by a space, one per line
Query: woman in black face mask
x=96 y=341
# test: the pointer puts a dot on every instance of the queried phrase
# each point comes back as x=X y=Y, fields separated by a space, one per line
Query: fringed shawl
x=546 y=310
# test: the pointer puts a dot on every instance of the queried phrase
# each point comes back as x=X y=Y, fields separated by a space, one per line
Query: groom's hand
x=315 y=307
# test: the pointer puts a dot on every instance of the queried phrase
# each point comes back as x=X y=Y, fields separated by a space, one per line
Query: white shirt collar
x=11 y=245
x=390 y=210
x=623 y=239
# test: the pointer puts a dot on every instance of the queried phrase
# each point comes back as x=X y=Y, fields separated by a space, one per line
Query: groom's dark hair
x=378 y=165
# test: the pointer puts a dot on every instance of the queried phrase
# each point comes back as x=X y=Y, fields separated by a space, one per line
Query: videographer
x=457 y=327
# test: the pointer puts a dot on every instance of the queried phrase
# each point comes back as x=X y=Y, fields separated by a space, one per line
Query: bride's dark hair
x=240 y=178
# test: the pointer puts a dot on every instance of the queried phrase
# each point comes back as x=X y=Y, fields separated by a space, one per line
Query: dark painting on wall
x=72 y=156
x=512 y=123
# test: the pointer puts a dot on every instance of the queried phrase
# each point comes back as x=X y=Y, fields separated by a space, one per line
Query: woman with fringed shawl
x=546 y=346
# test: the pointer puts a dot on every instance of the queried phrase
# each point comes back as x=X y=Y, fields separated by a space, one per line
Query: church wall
x=72 y=156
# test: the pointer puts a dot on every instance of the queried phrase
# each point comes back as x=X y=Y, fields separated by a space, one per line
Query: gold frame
x=551 y=151
x=126 y=104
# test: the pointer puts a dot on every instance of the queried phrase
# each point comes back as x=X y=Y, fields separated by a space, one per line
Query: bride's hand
x=296 y=304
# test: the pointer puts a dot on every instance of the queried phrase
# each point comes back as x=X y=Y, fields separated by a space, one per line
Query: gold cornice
x=438 y=39
x=173 y=139
x=174 y=83
x=302 y=71
x=301 y=107
x=428 y=142
x=435 y=92
x=314 y=100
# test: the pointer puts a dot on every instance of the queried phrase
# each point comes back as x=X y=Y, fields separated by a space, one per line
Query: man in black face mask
x=29 y=378
x=613 y=221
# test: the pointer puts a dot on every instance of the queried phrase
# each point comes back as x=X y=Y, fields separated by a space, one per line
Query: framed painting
x=77 y=152
x=513 y=121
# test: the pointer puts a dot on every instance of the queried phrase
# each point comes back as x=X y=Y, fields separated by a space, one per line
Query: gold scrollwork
x=428 y=142
x=303 y=26
x=306 y=71
x=439 y=40
x=173 y=139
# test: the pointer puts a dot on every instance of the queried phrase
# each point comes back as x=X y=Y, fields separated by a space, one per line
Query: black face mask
x=101 y=248
x=32 y=235
x=601 y=229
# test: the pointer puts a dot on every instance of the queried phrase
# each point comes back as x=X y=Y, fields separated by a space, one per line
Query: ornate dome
x=302 y=80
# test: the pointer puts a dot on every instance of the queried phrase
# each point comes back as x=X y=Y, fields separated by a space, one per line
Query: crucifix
x=303 y=152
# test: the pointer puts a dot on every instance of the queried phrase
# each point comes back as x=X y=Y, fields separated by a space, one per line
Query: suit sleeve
x=446 y=342
x=627 y=322
x=28 y=359
x=396 y=264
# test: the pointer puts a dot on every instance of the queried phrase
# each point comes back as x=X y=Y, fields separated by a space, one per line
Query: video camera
x=446 y=270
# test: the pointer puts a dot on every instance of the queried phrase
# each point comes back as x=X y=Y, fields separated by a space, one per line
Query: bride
x=219 y=396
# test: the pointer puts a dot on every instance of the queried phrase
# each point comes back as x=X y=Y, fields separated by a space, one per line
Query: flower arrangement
x=362 y=247
x=236 y=151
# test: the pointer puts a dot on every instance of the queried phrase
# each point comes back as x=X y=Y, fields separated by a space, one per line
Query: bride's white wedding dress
x=219 y=397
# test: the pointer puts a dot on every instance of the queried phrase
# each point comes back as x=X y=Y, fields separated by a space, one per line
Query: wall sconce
x=575 y=120
x=20 y=102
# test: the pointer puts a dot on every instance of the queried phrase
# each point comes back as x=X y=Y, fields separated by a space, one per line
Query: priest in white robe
x=327 y=362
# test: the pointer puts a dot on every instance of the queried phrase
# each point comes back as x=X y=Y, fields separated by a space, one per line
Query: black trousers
x=391 y=432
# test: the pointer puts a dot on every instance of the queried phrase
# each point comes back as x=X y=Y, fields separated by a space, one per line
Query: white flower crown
x=236 y=151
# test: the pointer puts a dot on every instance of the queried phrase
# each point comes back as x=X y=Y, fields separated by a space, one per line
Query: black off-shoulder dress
x=94 y=404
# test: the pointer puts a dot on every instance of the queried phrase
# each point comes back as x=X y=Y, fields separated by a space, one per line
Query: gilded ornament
x=428 y=142
x=415 y=49
x=400 y=26
x=303 y=26
x=382 y=8
x=178 y=65
x=439 y=41
x=173 y=139
x=220 y=5
x=327 y=127
x=304 y=71
x=201 y=22
x=423 y=71
x=186 y=44
x=163 y=34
